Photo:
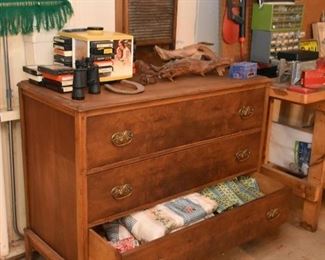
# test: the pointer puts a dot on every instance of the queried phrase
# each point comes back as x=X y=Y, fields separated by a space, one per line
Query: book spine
x=62 y=52
x=32 y=71
x=63 y=47
x=55 y=71
x=102 y=51
x=101 y=44
x=58 y=78
x=57 y=88
x=102 y=57
x=38 y=83
x=61 y=39
x=57 y=83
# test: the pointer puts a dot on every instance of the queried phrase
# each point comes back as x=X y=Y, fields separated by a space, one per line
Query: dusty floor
x=290 y=242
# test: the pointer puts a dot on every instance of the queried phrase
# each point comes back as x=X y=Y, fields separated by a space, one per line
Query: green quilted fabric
x=233 y=193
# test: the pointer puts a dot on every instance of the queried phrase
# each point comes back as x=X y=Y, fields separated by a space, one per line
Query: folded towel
x=233 y=193
x=192 y=207
x=206 y=217
x=244 y=190
x=156 y=222
x=143 y=226
x=119 y=237
x=223 y=195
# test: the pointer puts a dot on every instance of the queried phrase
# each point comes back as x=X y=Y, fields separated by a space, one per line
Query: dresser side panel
x=49 y=140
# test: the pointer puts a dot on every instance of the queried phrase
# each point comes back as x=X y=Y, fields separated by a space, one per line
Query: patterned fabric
x=162 y=219
x=249 y=182
x=191 y=208
x=125 y=244
x=119 y=237
x=166 y=217
x=223 y=195
x=200 y=220
x=144 y=226
x=233 y=193
x=247 y=189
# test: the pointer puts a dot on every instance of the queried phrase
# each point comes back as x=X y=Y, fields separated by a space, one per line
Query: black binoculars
x=85 y=75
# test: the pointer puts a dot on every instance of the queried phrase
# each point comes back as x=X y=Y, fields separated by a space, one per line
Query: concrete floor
x=289 y=242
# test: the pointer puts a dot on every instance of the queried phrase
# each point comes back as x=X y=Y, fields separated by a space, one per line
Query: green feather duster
x=23 y=16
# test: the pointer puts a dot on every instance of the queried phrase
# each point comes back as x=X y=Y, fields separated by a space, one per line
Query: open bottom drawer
x=204 y=240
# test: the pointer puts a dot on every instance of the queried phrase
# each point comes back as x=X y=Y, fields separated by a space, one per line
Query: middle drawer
x=124 y=135
x=128 y=187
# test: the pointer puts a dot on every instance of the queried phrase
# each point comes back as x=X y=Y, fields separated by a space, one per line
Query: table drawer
x=124 y=135
x=127 y=187
x=207 y=239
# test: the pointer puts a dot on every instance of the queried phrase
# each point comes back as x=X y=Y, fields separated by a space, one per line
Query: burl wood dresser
x=90 y=162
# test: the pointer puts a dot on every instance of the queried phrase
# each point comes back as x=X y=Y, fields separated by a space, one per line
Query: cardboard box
x=243 y=70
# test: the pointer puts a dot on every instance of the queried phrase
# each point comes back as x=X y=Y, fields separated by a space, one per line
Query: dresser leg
x=28 y=248
x=310 y=216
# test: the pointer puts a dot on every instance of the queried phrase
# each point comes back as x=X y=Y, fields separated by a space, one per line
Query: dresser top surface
x=181 y=87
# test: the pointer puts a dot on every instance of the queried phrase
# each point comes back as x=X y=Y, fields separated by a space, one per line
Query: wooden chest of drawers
x=92 y=161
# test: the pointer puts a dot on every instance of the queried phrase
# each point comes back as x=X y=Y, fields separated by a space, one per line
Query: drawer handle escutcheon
x=122 y=191
x=272 y=214
x=122 y=138
x=246 y=112
x=243 y=155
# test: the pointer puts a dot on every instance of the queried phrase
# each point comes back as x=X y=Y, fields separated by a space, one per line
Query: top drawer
x=119 y=136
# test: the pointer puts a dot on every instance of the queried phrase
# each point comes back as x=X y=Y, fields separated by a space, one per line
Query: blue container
x=243 y=70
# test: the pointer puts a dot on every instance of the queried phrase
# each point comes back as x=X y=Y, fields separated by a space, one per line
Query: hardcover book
x=32 y=69
x=56 y=69
x=59 y=78
x=57 y=83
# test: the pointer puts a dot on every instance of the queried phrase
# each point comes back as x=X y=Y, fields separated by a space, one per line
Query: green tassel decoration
x=23 y=16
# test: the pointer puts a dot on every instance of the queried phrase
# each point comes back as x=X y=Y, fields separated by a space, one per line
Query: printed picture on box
x=123 y=51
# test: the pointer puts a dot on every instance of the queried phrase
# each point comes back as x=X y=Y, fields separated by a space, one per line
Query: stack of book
x=57 y=77
x=34 y=76
x=62 y=50
x=101 y=52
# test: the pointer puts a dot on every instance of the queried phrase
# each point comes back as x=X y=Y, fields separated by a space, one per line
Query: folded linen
x=156 y=222
x=200 y=220
x=223 y=195
x=192 y=207
x=143 y=226
x=119 y=237
x=233 y=193
x=125 y=244
x=244 y=190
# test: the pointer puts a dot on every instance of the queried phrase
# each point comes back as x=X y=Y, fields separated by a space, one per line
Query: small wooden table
x=310 y=189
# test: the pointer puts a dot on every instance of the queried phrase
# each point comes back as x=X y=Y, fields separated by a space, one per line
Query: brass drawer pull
x=272 y=214
x=243 y=155
x=246 y=112
x=122 y=191
x=122 y=138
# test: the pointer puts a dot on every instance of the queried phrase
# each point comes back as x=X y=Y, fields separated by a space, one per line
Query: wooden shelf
x=295 y=97
x=299 y=186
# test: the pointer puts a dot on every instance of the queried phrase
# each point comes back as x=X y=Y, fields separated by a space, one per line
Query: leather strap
x=138 y=88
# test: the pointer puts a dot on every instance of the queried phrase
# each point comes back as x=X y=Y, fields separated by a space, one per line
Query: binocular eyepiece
x=85 y=75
